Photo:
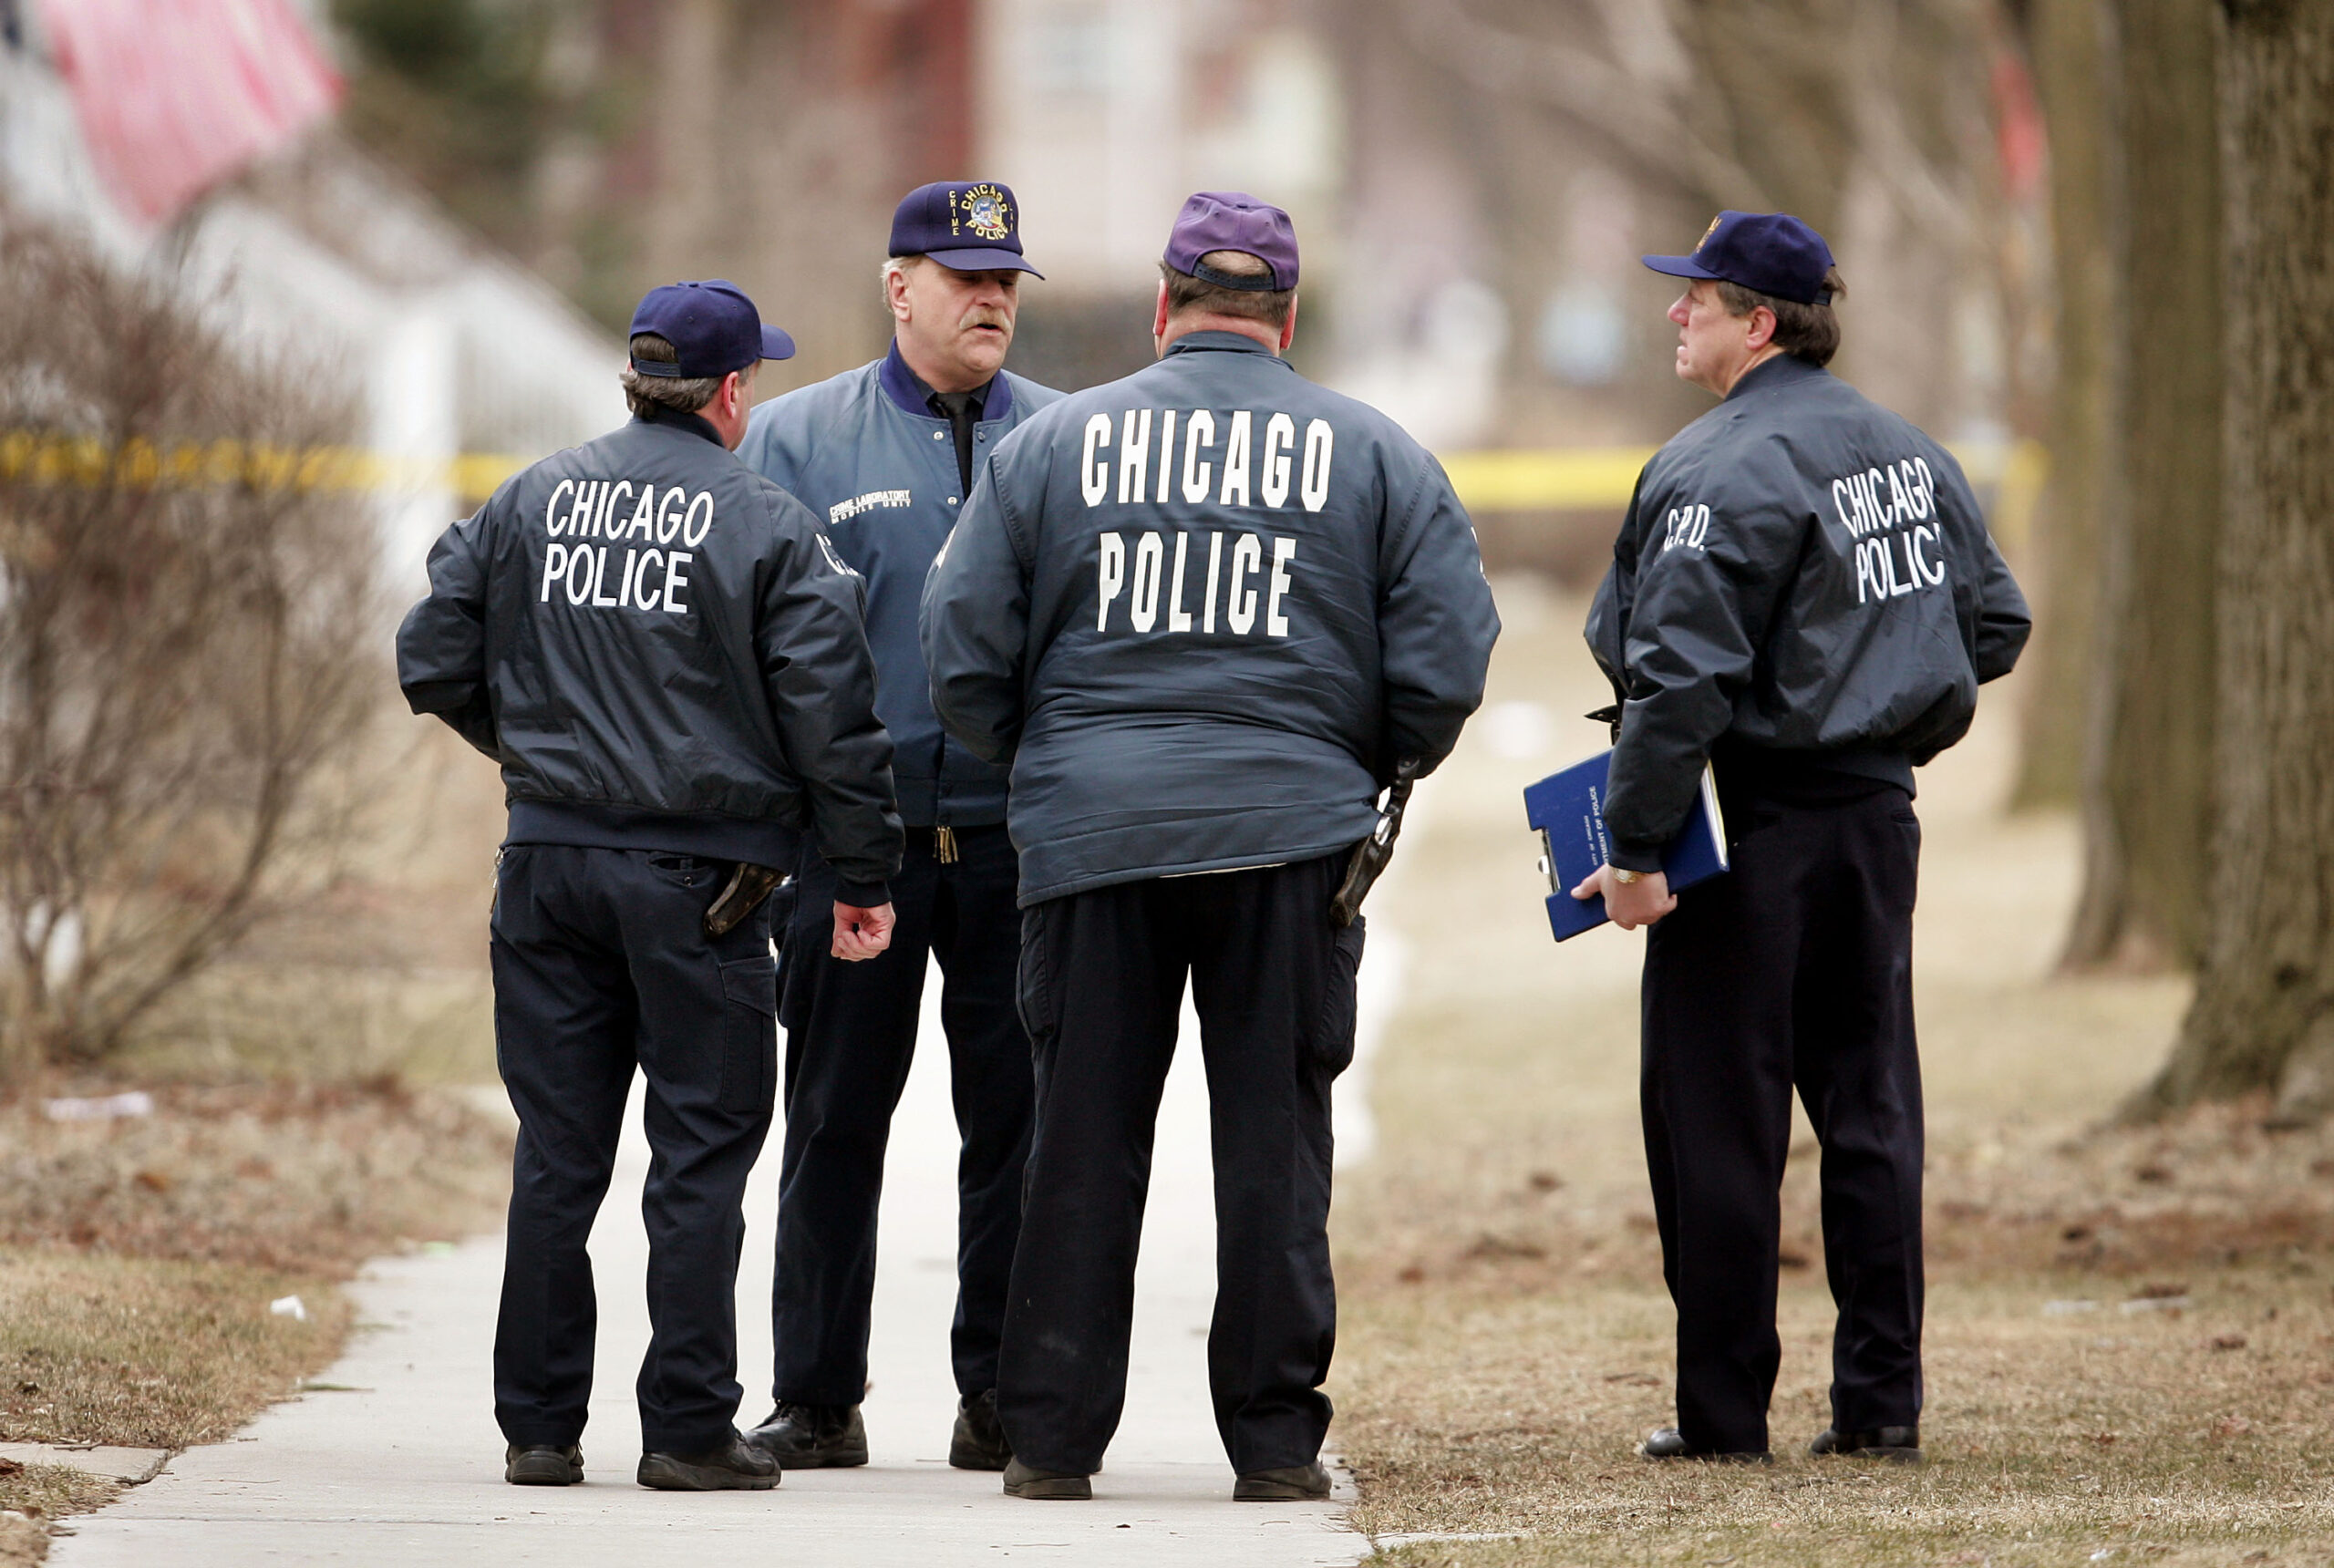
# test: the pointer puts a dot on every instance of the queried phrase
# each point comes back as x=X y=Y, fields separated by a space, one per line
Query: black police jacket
x=1805 y=576
x=1205 y=610
x=661 y=650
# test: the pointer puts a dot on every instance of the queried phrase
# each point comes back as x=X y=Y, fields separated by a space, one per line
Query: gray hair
x=644 y=394
x=893 y=264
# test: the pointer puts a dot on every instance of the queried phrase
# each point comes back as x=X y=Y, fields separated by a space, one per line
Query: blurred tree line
x=610 y=144
x=2189 y=565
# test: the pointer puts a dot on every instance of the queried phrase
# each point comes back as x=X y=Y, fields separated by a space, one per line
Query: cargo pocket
x=1333 y=1030
x=748 y=1034
x=1033 y=998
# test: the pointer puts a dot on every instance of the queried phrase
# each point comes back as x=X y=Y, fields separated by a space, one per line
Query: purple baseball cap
x=1770 y=252
x=713 y=327
x=971 y=225
x=1234 y=221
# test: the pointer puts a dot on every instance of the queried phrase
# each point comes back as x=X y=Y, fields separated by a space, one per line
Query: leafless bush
x=186 y=621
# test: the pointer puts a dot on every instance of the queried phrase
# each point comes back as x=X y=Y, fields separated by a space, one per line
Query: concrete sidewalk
x=405 y=1467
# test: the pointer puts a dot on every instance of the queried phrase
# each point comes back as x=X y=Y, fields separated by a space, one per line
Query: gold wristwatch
x=1626 y=877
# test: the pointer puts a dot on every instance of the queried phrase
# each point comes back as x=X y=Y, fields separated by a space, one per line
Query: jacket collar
x=906 y=389
x=694 y=424
x=1218 y=342
x=1783 y=370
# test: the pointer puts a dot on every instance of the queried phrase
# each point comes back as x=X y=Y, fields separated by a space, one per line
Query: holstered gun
x=1371 y=855
x=748 y=885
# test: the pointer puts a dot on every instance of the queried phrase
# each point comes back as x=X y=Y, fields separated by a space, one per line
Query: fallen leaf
x=2229 y=1342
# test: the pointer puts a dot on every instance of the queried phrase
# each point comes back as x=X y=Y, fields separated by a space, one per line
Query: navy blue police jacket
x=663 y=653
x=865 y=453
x=1203 y=611
x=1802 y=579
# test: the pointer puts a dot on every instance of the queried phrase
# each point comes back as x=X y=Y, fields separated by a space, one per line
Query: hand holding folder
x=1568 y=810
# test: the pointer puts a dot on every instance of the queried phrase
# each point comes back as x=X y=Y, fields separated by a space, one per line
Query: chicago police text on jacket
x=646 y=527
x=1179 y=580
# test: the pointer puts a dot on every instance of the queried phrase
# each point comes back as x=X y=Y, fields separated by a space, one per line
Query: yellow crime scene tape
x=35 y=457
x=1585 y=478
x=1552 y=479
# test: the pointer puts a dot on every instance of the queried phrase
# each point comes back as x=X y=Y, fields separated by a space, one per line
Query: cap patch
x=985 y=210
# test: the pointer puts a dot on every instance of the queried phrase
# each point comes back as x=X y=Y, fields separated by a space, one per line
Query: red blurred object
x=175 y=95
x=2021 y=139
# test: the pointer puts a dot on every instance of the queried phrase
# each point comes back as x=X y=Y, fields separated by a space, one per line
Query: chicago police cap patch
x=971 y=225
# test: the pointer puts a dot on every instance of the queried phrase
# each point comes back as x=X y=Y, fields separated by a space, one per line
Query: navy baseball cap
x=713 y=327
x=1234 y=221
x=974 y=226
x=1771 y=253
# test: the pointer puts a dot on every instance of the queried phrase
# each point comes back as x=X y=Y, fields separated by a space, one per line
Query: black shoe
x=979 y=1442
x=543 y=1464
x=1297 y=1483
x=1046 y=1486
x=1898 y=1445
x=736 y=1466
x=813 y=1436
x=1669 y=1443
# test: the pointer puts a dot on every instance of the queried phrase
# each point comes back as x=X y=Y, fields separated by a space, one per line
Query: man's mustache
x=984 y=318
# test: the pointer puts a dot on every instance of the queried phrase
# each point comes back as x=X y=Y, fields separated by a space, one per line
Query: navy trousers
x=600 y=965
x=1102 y=987
x=850 y=1033
x=1793 y=970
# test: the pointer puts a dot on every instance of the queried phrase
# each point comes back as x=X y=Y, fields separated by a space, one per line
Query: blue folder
x=1568 y=809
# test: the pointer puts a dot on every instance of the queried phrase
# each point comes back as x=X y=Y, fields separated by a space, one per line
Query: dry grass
x=147 y=1353
x=33 y=1495
x=298 y=1178
x=137 y=1256
x=1496 y=1373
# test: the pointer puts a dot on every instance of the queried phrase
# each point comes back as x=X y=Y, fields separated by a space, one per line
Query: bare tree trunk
x=2148 y=770
x=2263 y=1013
x=2073 y=54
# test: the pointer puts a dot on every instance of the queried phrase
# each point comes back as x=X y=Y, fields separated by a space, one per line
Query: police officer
x=885 y=454
x=1803 y=595
x=1204 y=610
x=658 y=648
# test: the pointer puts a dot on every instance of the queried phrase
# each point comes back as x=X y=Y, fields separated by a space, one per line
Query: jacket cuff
x=1635 y=857
x=863 y=895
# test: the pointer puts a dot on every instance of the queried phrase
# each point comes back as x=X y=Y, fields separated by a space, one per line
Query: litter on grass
x=100 y=1107
x=290 y=1306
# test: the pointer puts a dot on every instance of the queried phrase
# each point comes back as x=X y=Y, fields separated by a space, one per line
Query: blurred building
x=322 y=250
x=1103 y=115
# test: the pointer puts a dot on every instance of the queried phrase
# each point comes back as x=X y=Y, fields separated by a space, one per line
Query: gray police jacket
x=863 y=453
x=1799 y=570
x=662 y=652
x=1203 y=609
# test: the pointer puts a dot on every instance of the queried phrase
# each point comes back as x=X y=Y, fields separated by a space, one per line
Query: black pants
x=1795 y=968
x=850 y=1034
x=1102 y=982
x=600 y=964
